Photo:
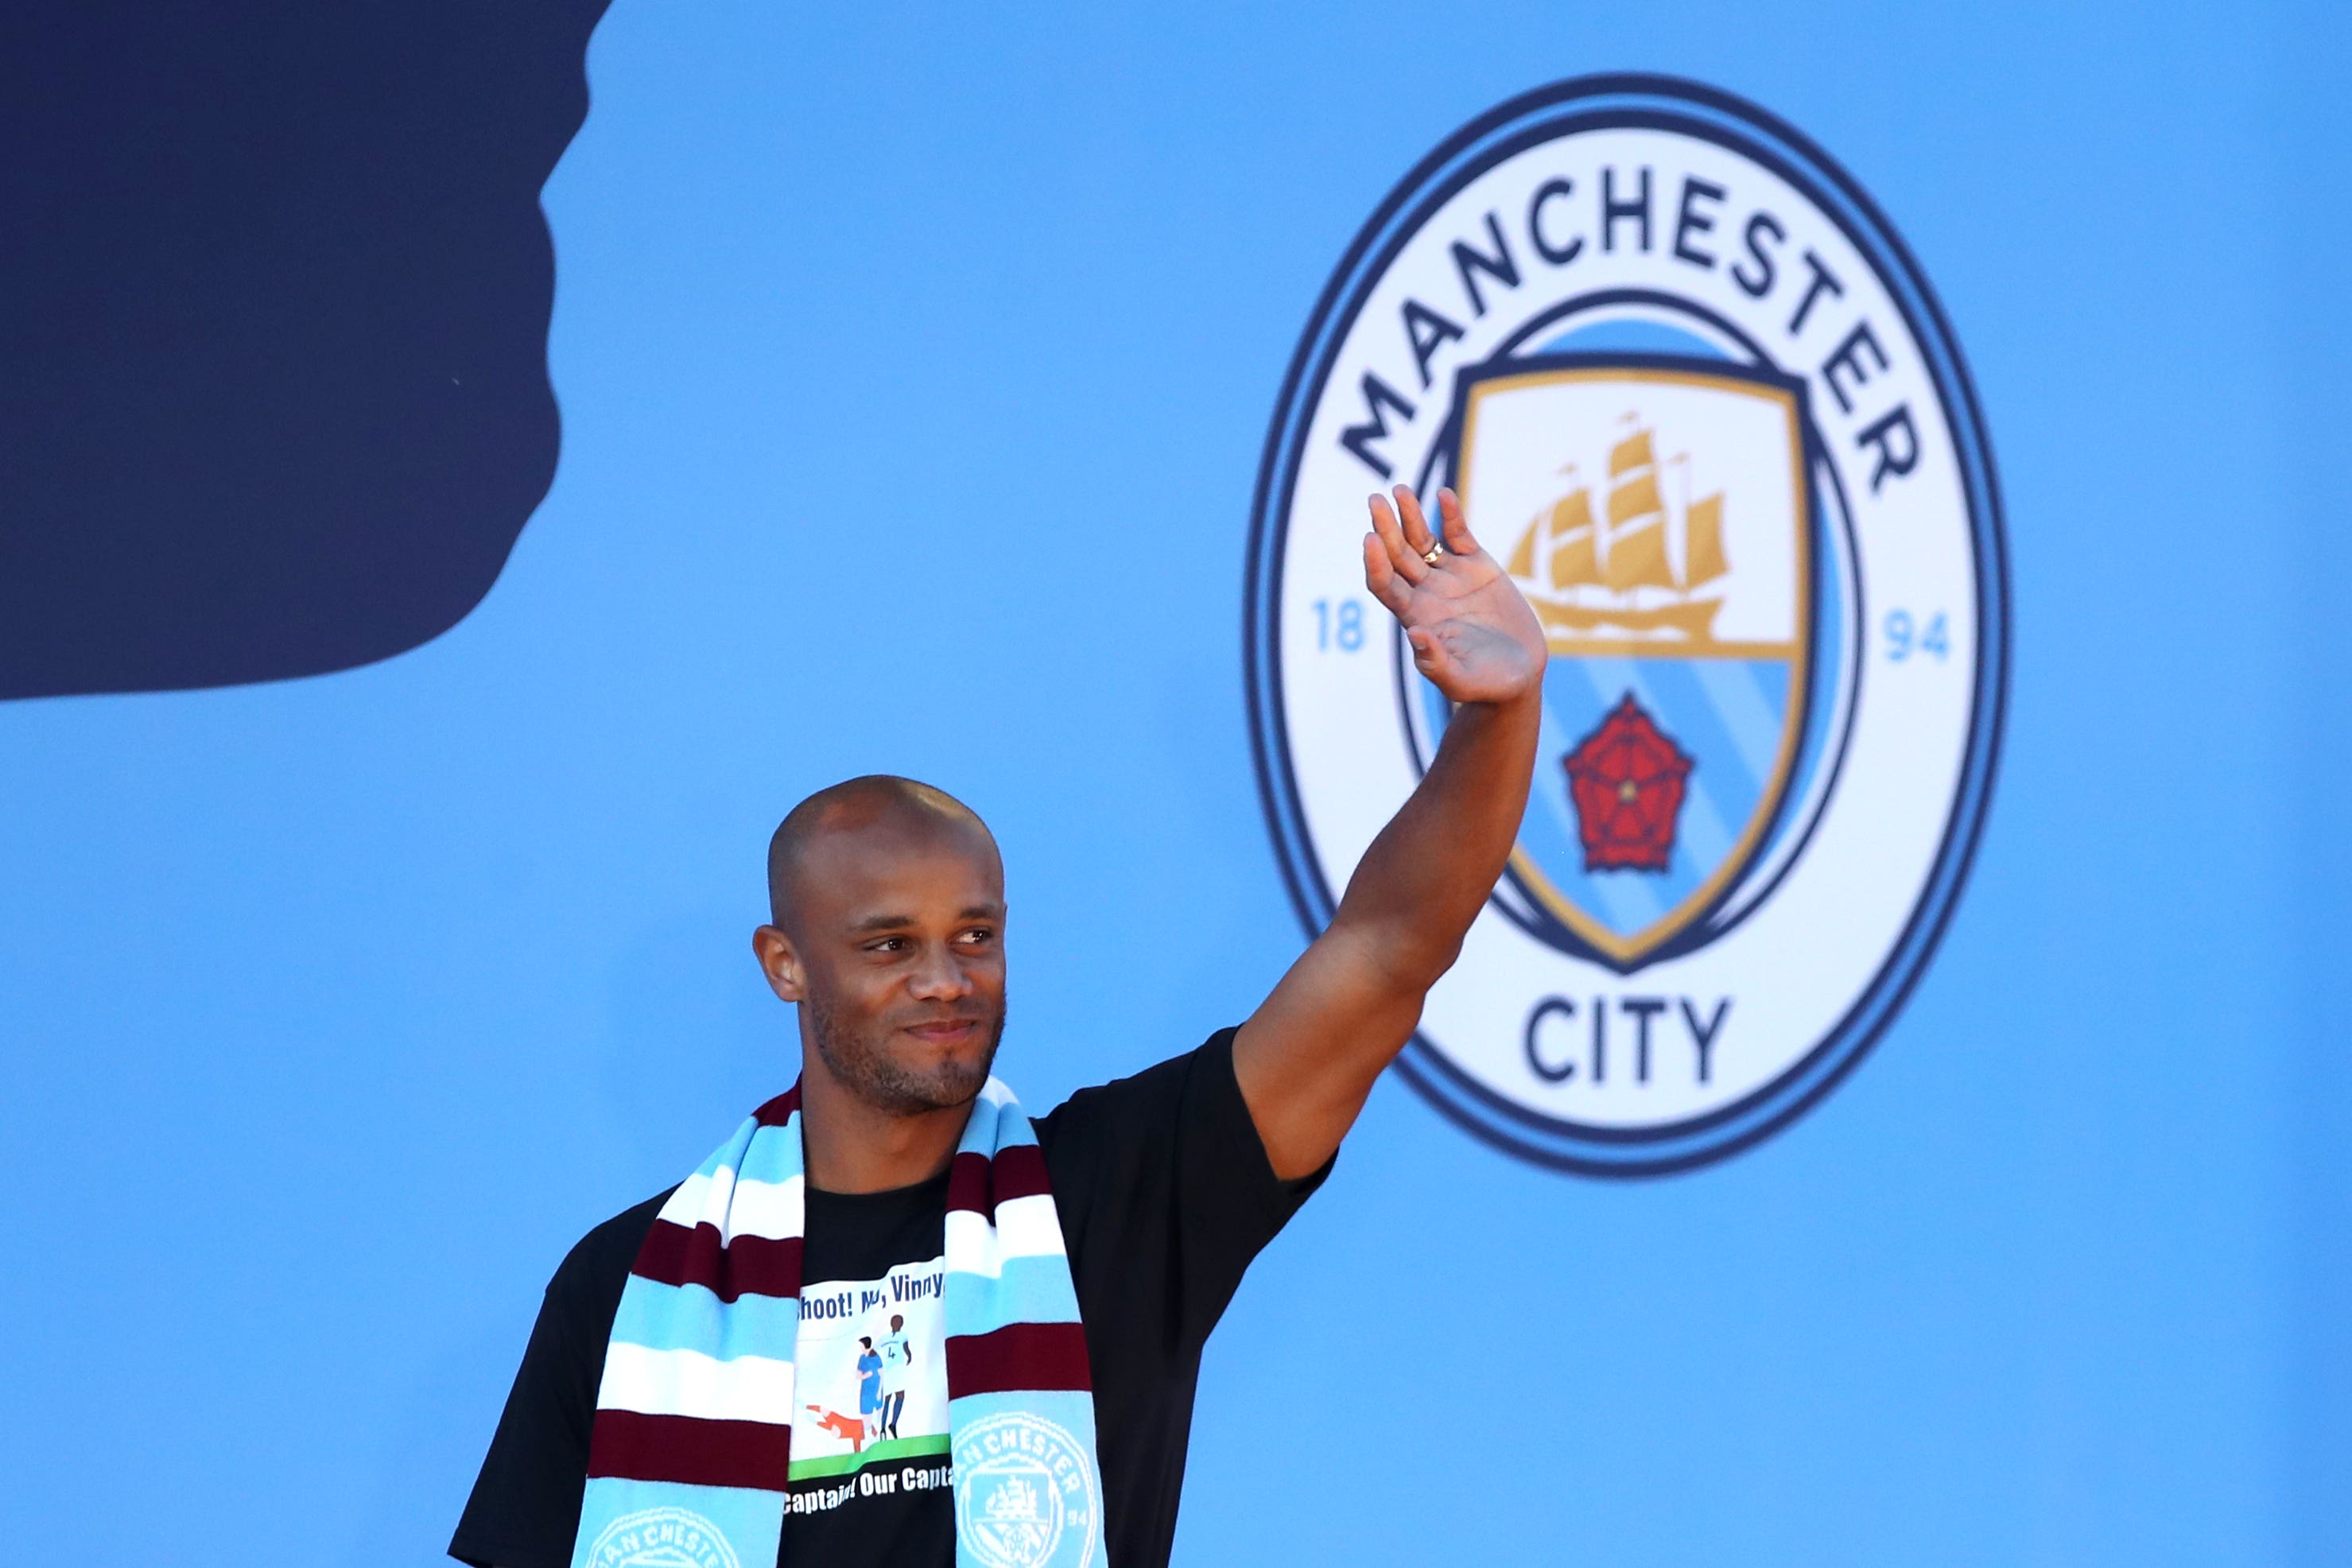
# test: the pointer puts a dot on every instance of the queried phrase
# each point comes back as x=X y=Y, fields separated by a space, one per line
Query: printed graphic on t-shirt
x=871 y=1375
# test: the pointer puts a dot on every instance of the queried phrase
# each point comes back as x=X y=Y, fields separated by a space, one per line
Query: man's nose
x=938 y=977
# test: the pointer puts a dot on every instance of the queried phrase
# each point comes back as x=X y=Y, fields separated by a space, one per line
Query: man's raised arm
x=1307 y=1057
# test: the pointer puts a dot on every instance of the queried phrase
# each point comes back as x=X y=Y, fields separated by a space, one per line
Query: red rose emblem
x=1626 y=779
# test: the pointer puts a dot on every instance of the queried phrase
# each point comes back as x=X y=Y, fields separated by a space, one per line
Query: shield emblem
x=1654 y=511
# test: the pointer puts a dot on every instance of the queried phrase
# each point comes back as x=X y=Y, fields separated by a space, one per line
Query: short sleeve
x=1231 y=1203
x=525 y=1507
x=1167 y=1193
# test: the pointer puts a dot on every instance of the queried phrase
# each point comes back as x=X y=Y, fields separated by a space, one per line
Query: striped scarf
x=689 y=1457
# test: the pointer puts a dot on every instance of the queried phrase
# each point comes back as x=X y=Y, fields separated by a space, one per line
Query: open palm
x=1471 y=634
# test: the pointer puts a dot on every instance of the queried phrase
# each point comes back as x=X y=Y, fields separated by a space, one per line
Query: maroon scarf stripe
x=1017 y=1357
x=978 y=1184
x=779 y=1110
x=636 y=1447
x=751 y=1266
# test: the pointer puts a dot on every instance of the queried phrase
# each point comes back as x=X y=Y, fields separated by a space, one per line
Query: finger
x=1457 y=527
x=1402 y=558
x=1428 y=652
x=1382 y=578
x=1416 y=527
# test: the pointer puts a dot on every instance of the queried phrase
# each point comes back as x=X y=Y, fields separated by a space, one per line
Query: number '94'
x=1905 y=635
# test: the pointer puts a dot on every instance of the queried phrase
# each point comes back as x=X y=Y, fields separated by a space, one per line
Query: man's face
x=895 y=953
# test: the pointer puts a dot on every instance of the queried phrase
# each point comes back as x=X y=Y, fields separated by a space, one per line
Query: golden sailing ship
x=1634 y=571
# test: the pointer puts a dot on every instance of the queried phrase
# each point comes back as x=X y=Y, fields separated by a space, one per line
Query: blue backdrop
x=912 y=370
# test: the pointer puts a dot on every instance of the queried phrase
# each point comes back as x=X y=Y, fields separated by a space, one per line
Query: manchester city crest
x=665 y=1537
x=1697 y=398
x=1026 y=1494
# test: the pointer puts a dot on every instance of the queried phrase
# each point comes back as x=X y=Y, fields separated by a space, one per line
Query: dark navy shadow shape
x=274 y=297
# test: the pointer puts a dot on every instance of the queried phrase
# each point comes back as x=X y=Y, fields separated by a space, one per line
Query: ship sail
x=1703 y=558
x=1637 y=558
x=1634 y=497
x=1638 y=542
x=1632 y=452
x=1523 y=554
x=1574 y=555
x=1637 y=517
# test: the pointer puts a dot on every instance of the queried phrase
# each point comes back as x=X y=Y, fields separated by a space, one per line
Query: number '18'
x=1345 y=629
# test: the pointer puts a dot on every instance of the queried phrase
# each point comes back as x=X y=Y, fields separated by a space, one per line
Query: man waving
x=685 y=1396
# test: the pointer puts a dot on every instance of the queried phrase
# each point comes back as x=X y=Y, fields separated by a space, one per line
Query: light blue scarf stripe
x=775 y=1158
x=1008 y=1129
x=985 y=1130
x=750 y=1156
x=1033 y=1290
x=691 y=1317
x=729 y=1156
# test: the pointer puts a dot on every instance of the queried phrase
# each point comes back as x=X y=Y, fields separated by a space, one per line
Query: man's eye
x=978 y=933
x=890 y=945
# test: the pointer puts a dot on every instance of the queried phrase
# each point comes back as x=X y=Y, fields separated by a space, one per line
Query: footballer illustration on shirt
x=871 y=1373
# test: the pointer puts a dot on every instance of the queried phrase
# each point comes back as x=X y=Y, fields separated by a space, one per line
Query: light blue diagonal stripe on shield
x=1746 y=713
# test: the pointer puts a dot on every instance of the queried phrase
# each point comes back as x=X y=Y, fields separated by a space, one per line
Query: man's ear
x=779 y=964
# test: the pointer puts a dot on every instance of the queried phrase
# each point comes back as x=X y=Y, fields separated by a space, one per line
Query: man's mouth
x=945 y=1031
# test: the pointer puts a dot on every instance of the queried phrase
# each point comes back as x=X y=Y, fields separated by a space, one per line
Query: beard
x=863 y=1063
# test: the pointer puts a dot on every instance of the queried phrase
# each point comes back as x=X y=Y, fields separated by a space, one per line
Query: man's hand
x=1471 y=634
x=1309 y=1056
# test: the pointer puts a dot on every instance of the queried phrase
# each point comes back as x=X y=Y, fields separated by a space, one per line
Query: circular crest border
x=1672 y=103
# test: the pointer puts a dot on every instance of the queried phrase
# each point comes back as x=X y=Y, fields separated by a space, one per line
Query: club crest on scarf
x=1025 y=1494
x=661 y=1538
x=1702 y=408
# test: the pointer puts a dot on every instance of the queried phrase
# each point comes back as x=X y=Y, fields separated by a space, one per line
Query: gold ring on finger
x=1429 y=555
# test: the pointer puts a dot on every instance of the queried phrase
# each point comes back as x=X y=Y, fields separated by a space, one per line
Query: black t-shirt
x=1165 y=1195
x=873 y=1404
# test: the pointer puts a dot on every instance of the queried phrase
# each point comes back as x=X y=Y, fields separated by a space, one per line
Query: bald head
x=889 y=901
x=881 y=809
